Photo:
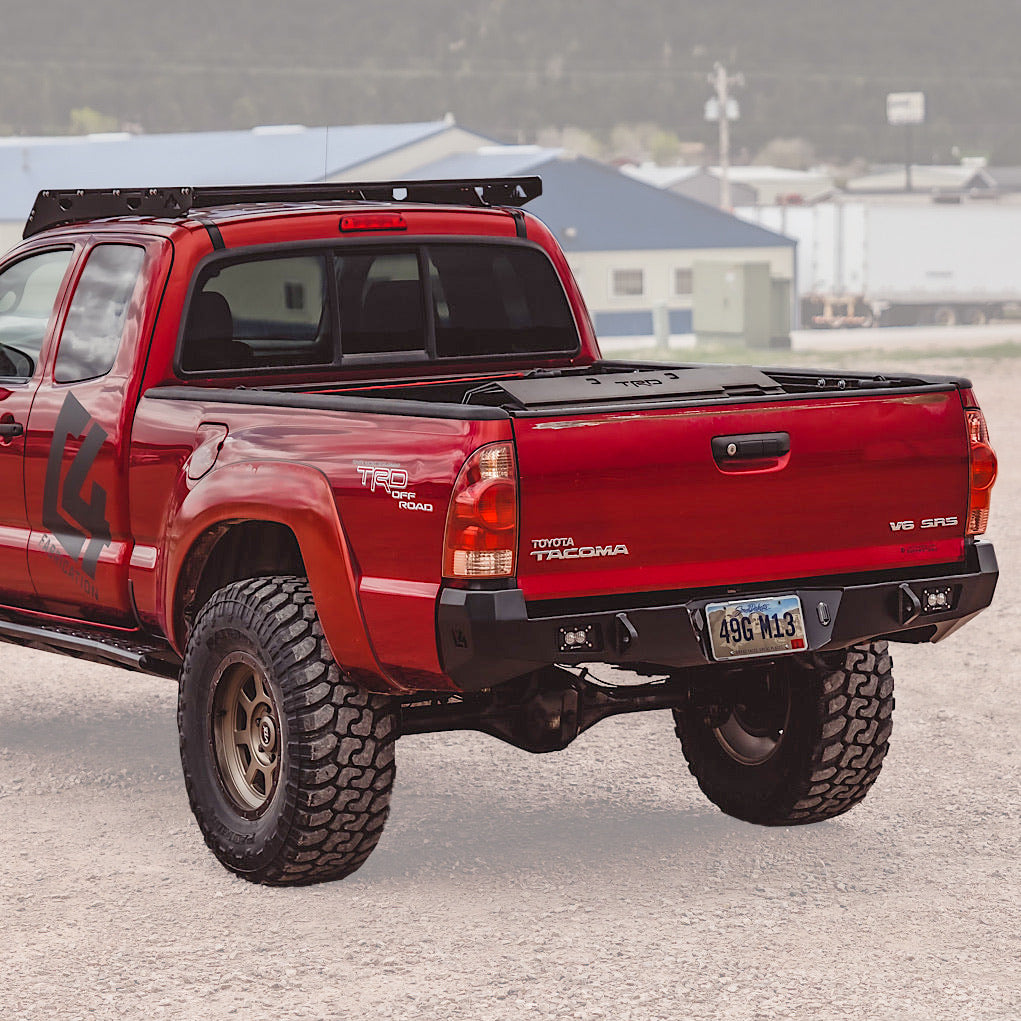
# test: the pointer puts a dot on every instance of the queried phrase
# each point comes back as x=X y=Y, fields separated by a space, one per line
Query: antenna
x=326 y=153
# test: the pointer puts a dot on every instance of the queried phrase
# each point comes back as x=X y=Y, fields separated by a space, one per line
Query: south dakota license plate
x=756 y=627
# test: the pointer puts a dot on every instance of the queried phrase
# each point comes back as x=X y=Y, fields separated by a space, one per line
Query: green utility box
x=740 y=304
x=780 y=313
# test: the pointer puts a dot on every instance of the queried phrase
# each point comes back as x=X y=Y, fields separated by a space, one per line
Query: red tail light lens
x=983 y=472
x=481 y=537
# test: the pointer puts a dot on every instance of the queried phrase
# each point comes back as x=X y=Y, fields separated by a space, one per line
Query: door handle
x=8 y=430
x=750 y=447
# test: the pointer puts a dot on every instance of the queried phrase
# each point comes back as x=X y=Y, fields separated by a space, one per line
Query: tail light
x=982 y=462
x=481 y=537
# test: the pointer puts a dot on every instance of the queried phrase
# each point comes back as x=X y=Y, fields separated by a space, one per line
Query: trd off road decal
x=392 y=480
x=81 y=527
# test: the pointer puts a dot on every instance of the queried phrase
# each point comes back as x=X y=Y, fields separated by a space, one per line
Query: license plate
x=756 y=627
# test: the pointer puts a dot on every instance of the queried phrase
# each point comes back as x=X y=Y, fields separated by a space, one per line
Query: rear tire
x=288 y=765
x=798 y=741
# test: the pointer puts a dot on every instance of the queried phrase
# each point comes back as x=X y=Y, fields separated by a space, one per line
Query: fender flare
x=299 y=497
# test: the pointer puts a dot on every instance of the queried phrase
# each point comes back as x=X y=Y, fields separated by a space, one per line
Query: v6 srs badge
x=909 y=526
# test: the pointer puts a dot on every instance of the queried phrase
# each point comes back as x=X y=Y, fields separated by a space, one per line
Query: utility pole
x=907 y=108
x=907 y=157
x=723 y=110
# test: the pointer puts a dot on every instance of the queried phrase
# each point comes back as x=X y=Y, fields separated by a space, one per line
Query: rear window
x=413 y=302
x=382 y=304
x=267 y=312
x=497 y=299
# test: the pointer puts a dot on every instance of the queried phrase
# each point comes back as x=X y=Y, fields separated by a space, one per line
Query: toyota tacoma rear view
x=346 y=461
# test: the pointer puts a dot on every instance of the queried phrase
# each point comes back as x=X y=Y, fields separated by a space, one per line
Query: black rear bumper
x=487 y=637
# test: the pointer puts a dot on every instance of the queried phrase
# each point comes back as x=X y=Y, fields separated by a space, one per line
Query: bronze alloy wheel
x=245 y=733
x=753 y=731
x=288 y=764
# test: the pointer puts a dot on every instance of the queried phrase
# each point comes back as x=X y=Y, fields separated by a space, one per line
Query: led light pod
x=481 y=537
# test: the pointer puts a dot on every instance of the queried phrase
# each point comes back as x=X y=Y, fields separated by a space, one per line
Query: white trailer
x=898 y=264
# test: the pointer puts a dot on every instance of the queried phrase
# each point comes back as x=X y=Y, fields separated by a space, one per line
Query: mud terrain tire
x=287 y=764
x=828 y=720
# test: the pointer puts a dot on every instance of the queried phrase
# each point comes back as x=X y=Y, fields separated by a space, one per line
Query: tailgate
x=640 y=501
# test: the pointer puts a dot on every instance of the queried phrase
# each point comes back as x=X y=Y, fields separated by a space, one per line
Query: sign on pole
x=712 y=109
x=905 y=107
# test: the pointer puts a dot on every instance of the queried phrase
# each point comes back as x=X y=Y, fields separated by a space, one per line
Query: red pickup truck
x=346 y=460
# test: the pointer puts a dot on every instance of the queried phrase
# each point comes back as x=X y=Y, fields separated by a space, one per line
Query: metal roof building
x=280 y=154
x=926 y=181
x=631 y=245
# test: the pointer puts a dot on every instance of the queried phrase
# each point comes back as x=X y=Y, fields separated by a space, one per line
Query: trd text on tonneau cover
x=347 y=462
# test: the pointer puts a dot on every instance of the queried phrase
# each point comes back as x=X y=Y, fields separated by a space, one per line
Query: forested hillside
x=817 y=69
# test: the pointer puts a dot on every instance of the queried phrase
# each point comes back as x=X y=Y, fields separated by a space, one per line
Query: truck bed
x=661 y=477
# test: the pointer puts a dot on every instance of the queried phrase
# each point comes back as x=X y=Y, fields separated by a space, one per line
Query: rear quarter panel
x=390 y=478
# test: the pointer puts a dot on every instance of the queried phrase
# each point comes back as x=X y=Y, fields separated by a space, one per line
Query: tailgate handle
x=750 y=447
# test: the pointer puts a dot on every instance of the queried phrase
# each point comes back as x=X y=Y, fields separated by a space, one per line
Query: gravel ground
x=595 y=883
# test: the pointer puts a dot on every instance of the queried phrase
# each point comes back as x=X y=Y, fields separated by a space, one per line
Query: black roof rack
x=56 y=207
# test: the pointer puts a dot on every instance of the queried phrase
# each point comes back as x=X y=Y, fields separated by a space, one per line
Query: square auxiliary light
x=579 y=638
x=937 y=600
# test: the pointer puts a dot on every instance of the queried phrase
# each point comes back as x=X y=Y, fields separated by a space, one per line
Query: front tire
x=287 y=764
x=798 y=741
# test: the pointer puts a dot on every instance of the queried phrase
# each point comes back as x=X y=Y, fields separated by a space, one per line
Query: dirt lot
x=596 y=883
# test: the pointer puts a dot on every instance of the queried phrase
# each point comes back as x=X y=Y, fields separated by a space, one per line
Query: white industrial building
x=749 y=184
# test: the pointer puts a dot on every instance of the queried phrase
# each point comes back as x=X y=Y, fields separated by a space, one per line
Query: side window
x=28 y=291
x=382 y=306
x=98 y=313
x=261 y=313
